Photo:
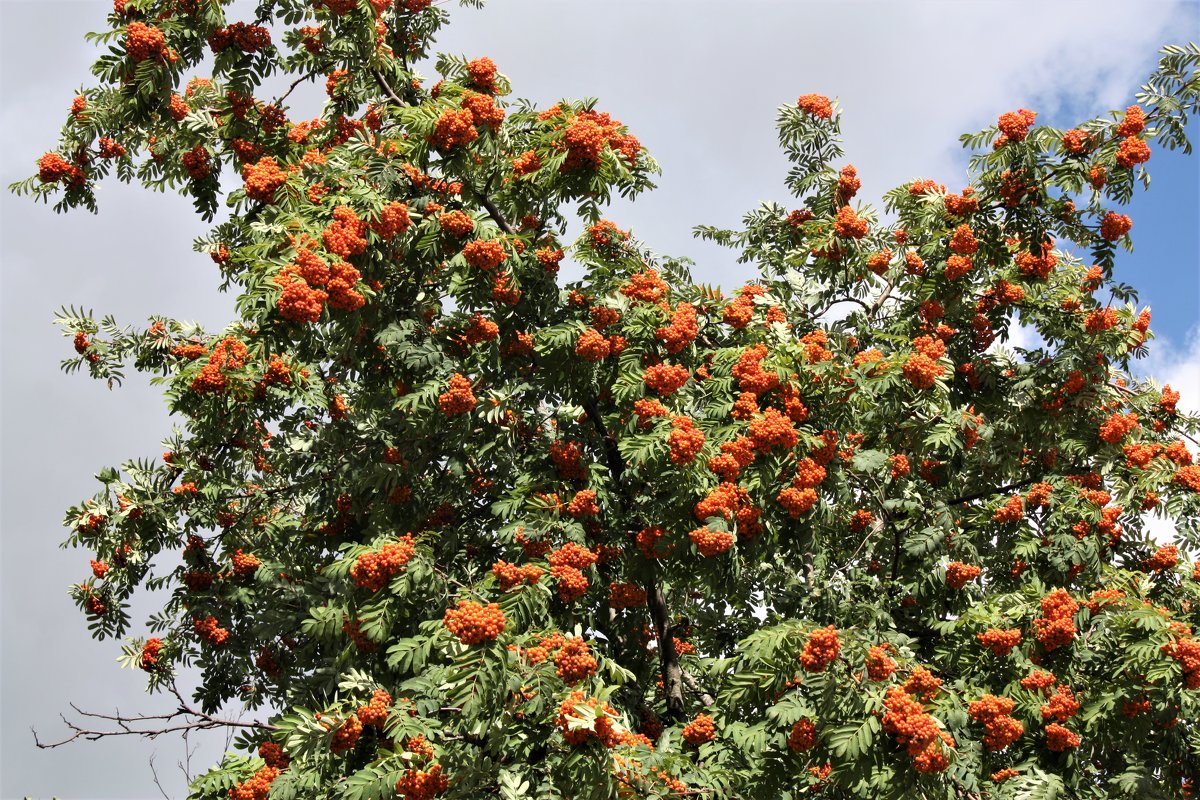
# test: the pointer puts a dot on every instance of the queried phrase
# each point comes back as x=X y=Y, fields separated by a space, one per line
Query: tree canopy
x=454 y=526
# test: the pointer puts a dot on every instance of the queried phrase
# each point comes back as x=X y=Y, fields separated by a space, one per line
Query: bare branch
x=184 y=719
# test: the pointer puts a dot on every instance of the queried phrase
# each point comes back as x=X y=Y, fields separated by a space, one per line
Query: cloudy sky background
x=698 y=82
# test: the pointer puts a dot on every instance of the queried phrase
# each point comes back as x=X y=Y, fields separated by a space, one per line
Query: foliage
x=458 y=529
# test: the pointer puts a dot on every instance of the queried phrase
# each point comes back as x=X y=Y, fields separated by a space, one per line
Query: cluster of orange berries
x=626 y=595
x=586 y=135
x=485 y=254
x=144 y=42
x=700 y=730
x=263 y=179
x=916 y=731
x=1056 y=627
x=749 y=372
x=681 y=331
x=732 y=502
x=458 y=399
x=880 y=665
x=817 y=105
x=802 y=736
x=685 y=440
x=417 y=784
x=1060 y=738
x=1000 y=728
x=151 y=650
x=1012 y=511
x=922 y=371
x=604 y=728
x=228 y=354
x=375 y=713
x=593 y=346
x=245 y=37
x=645 y=287
x=258 y=787
x=1115 y=225
x=848 y=224
x=666 y=379
x=773 y=429
x=346 y=736
x=709 y=542
x=959 y=574
x=1164 y=559
x=208 y=630
x=1186 y=651
x=475 y=623
x=821 y=649
x=373 y=570
x=566 y=567
x=510 y=576
x=1117 y=427
x=583 y=504
x=574 y=662
x=1000 y=642
x=1014 y=125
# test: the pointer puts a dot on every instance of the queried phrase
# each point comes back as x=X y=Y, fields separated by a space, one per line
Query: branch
x=387 y=88
x=668 y=656
x=705 y=698
x=495 y=214
x=185 y=718
x=989 y=492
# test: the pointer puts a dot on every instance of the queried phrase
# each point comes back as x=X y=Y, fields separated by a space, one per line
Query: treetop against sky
x=448 y=520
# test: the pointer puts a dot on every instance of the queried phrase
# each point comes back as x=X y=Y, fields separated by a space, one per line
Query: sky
x=697 y=81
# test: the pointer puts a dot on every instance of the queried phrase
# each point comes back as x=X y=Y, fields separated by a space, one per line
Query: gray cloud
x=698 y=82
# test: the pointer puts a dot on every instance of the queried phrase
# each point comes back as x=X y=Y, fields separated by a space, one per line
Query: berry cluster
x=510 y=576
x=458 y=399
x=959 y=574
x=817 y=105
x=646 y=287
x=151 y=650
x=1056 y=627
x=346 y=736
x=626 y=595
x=1000 y=729
x=916 y=731
x=208 y=630
x=1059 y=738
x=802 y=736
x=592 y=346
x=1186 y=651
x=773 y=429
x=880 y=665
x=682 y=330
x=604 y=728
x=373 y=570
x=475 y=623
x=685 y=440
x=416 y=784
x=485 y=254
x=258 y=787
x=375 y=713
x=583 y=504
x=699 y=731
x=666 y=379
x=263 y=179
x=574 y=661
x=710 y=542
x=1000 y=642
x=821 y=649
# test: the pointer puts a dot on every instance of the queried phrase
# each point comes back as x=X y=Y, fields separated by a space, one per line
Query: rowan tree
x=458 y=528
